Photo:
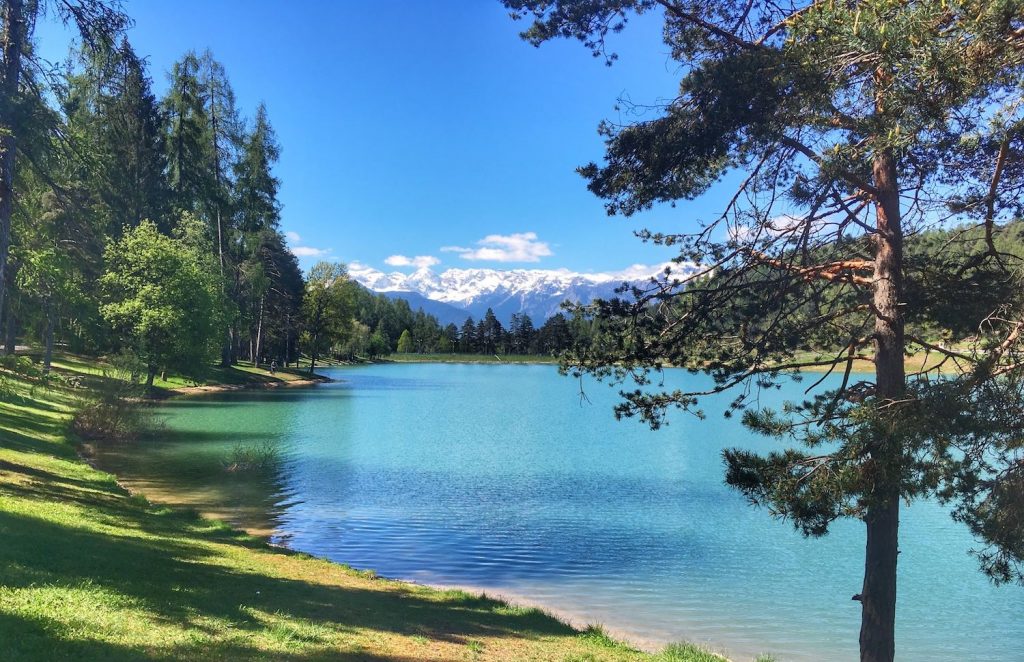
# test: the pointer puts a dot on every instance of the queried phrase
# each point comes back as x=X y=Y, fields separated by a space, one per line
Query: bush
x=114 y=411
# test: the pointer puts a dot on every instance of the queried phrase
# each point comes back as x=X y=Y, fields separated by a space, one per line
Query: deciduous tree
x=163 y=299
x=327 y=309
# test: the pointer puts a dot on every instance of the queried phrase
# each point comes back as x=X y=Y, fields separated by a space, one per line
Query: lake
x=503 y=478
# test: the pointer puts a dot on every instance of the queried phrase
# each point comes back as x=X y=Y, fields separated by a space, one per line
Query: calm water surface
x=500 y=478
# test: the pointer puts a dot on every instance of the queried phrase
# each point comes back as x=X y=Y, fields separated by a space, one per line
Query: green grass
x=240 y=374
x=89 y=572
x=470 y=358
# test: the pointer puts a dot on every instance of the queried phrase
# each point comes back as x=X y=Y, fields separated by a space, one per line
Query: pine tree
x=467 y=337
x=850 y=123
x=99 y=23
x=257 y=214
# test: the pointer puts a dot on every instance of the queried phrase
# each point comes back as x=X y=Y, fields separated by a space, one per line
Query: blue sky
x=425 y=128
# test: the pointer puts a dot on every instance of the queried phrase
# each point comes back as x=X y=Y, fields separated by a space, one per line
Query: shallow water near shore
x=503 y=478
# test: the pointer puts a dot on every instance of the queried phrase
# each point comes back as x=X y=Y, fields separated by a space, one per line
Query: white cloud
x=636 y=272
x=305 y=251
x=419 y=261
x=517 y=247
x=309 y=251
x=774 y=227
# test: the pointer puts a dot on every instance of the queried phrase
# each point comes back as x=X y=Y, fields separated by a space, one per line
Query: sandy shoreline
x=221 y=388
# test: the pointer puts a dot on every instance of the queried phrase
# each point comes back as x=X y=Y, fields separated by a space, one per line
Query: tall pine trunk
x=10 y=326
x=287 y=338
x=312 y=354
x=14 y=37
x=259 y=335
x=48 y=338
x=878 y=596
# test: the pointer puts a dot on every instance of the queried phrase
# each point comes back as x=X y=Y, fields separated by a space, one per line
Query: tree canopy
x=163 y=301
x=850 y=128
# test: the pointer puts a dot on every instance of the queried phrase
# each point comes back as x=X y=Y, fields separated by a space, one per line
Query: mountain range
x=454 y=294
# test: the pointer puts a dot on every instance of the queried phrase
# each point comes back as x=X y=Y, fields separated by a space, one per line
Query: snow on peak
x=463 y=287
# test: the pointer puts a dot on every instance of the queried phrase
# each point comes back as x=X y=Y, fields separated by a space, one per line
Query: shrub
x=114 y=410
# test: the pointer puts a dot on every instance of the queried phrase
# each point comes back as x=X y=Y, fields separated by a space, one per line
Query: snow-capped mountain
x=536 y=292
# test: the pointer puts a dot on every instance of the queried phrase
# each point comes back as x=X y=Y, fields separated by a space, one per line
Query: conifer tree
x=98 y=22
x=467 y=337
x=188 y=149
x=225 y=136
x=850 y=125
x=132 y=181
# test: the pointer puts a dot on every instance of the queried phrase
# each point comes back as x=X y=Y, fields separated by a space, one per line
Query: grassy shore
x=470 y=358
x=89 y=572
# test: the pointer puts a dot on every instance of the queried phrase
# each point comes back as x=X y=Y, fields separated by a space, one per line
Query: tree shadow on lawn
x=45 y=639
x=185 y=583
x=17 y=429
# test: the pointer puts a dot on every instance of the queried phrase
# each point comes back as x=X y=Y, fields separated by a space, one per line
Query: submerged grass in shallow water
x=258 y=458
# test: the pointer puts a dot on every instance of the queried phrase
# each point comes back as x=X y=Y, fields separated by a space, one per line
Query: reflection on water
x=187 y=463
x=498 y=477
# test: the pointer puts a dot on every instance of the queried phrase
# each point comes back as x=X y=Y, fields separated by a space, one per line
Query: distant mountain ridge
x=454 y=294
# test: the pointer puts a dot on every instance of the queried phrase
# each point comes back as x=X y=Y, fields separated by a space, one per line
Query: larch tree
x=97 y=21
x=225 y=136
x=405 y=345
x=850 y=128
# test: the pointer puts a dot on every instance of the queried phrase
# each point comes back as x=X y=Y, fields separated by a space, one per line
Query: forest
x=152 y=226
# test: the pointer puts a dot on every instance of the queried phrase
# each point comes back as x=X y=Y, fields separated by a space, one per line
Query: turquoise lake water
x=502 y=478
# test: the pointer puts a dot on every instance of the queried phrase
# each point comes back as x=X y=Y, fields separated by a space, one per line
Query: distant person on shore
x=273 y=367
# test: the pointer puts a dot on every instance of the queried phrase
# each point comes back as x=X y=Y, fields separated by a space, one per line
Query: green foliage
x=162 y=300
x=405 y=343
x=112 y=409
x=686 y=652
x=326 y=308
x=860 y=135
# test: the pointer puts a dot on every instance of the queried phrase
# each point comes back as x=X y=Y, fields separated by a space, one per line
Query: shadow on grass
x=179 y=579
x=18 y=440
x=45 y=639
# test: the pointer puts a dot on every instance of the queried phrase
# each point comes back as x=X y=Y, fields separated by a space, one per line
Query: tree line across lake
x=382 y=325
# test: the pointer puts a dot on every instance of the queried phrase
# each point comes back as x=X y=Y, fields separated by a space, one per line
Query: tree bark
x=259 y=335
x=14 y=38
x=312 y=354
x=10 y=327
x=878 y=595
x=287 y=338
x=48 y=340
